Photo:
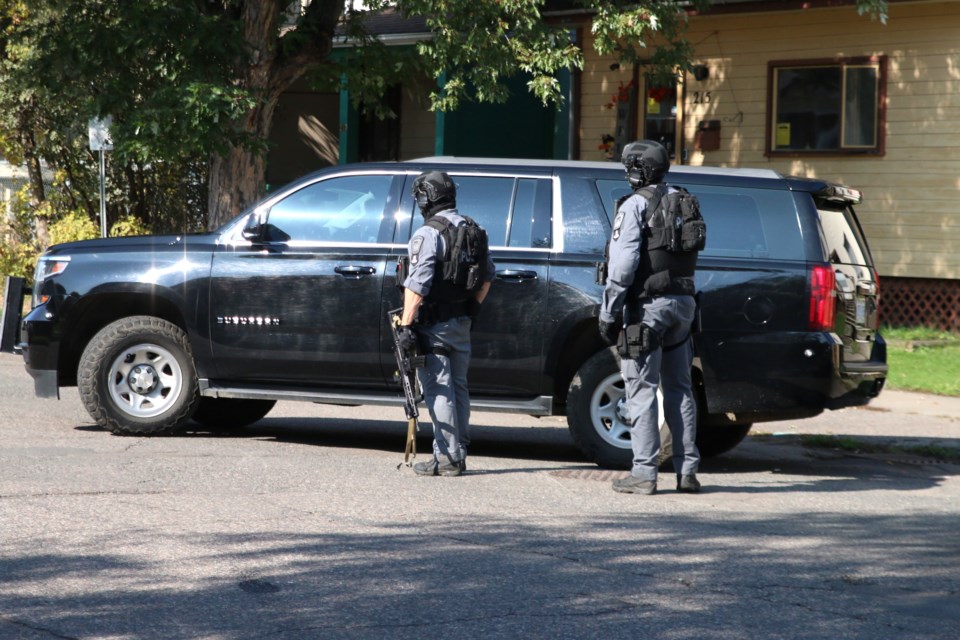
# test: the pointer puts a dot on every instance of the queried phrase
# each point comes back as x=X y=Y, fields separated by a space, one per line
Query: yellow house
x=819 y=91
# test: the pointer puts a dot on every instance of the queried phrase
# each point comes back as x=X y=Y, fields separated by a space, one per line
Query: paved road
x=303 y=527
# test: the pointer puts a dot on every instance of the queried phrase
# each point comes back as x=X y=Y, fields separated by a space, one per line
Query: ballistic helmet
x=434 y=191
x=646 y=162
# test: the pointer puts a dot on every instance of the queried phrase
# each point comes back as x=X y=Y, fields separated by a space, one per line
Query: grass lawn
x=914 y=367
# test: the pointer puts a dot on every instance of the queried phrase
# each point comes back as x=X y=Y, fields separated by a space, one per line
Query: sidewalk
x=917 y=403
x=895 y=417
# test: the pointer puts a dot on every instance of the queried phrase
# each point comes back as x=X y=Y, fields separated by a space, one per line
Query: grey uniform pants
x=670 y=316
x=443 y=379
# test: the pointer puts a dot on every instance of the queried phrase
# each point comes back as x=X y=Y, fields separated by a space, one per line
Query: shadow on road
x=848 y=576
x=786 y=458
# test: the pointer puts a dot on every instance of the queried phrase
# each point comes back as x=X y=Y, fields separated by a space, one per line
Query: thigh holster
x=636 y=340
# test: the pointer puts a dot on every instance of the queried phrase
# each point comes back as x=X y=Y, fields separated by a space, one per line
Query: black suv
x=289 y=300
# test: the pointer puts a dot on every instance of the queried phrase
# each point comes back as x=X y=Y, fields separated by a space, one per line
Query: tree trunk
x=238 y=177
x=35 y=179
x=236 y=181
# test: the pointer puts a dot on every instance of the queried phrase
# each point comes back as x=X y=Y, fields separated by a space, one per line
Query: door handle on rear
x=516 y=275
x=355 y=272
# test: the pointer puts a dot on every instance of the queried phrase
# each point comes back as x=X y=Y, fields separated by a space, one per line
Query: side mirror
x=252 y=228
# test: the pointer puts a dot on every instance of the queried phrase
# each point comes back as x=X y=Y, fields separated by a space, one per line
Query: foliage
x=18 y=248
x=128 y=226
x=156 y=67
x=72 y=227
x=917 y=333
x=927 y=369
x=191 y=85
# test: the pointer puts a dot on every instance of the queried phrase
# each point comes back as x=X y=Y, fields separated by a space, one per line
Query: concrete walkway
x=895 y=417
x=917 y=403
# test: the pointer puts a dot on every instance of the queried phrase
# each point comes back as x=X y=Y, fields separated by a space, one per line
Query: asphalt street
x=302 y=526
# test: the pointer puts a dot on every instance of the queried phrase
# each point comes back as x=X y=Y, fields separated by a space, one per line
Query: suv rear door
x=516 y=211
x=858 y=290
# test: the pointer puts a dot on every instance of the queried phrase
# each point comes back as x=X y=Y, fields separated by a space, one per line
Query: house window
x=827 y=107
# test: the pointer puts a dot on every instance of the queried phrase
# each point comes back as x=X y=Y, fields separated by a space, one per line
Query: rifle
x=406 y=374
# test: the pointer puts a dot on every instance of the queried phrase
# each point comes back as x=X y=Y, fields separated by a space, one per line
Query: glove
x=473 y=308
x=609 y=332
x=407 y=339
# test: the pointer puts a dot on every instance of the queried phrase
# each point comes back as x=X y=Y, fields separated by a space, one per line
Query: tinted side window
x=741 y=223
x=344 y=209
x=531 y=222
x=584 y=230
x=750 y=223
x=486 y=200
x=610 y=192
x=514 y=212
x=841 y=232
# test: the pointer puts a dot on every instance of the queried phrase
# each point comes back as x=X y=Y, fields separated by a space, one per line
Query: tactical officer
x=654 y=289
x=439 y=307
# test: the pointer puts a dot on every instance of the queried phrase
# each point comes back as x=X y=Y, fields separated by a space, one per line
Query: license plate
x=861 y=311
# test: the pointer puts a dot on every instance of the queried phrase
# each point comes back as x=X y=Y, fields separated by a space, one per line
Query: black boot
x=433 y=467
x=688 y=483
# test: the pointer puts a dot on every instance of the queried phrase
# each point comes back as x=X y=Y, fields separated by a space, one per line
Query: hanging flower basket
x=659 y=94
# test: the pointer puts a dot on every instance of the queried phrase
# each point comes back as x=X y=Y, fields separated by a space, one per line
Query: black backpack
x=676 y=224
x=465 y=259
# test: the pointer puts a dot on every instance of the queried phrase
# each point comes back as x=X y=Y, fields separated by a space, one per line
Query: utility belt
x=661 y=284
x=430 y=313
x=637 y=339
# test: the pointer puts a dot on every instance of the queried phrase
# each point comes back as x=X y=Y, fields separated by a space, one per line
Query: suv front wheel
x=136 y=377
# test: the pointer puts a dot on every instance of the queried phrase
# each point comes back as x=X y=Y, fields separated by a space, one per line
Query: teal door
x=519 y=128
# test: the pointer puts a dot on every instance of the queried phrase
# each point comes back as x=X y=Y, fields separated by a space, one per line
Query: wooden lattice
x=920 y=302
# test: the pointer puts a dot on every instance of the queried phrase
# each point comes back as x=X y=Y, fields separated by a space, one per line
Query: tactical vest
x=461 y=271
x=661 y=271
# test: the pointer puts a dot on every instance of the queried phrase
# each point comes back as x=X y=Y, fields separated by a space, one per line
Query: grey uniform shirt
x=424 y=248
x=626 y=243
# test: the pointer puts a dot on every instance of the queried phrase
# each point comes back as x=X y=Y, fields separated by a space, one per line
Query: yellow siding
x=598 y=84
x=911 y=194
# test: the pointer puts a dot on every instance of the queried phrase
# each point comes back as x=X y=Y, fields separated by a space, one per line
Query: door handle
x=516 y=275
x=355 y=272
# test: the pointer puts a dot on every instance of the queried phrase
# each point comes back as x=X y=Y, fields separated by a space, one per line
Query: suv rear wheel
x=596 y=414
x=136 y=377
x=712 y=441
x=597 y=418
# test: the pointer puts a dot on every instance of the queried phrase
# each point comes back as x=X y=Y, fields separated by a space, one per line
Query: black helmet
x=646 y=162
x=434 y=191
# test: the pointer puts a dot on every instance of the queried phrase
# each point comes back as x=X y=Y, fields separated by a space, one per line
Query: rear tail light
x=823 y=304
